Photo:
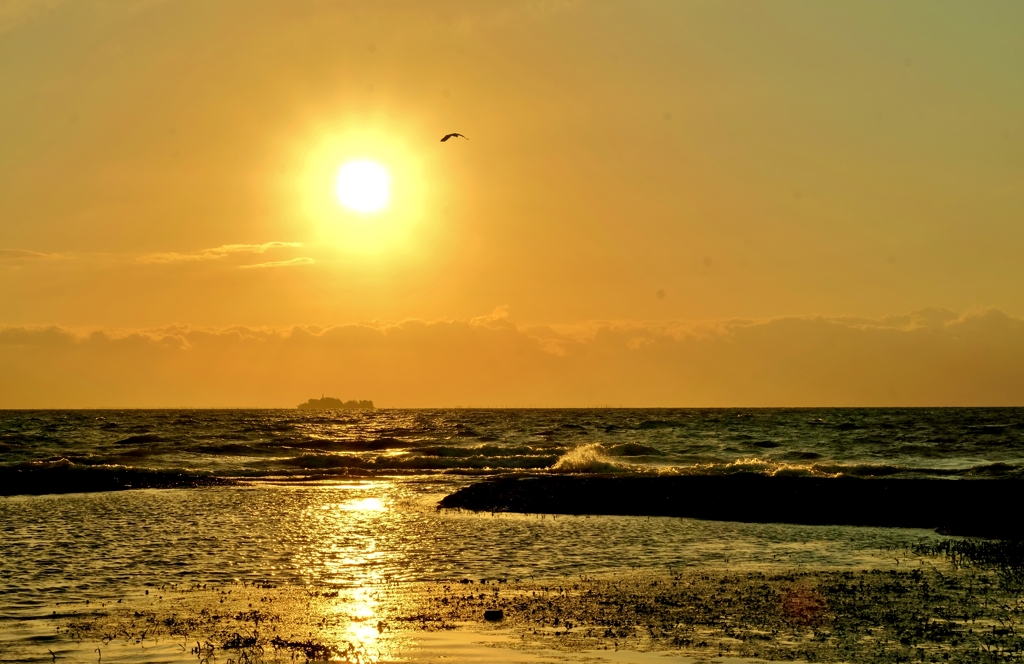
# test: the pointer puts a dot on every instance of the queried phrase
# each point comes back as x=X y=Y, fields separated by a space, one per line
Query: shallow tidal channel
x=372 y=571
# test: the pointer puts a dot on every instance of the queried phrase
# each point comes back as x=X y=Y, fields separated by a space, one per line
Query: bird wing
x=446 y=138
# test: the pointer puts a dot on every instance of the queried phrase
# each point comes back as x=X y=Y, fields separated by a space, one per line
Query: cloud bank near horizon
x=930 y=357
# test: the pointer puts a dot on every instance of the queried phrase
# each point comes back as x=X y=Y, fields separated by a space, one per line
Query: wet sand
x=923 y=609
x=974 y=508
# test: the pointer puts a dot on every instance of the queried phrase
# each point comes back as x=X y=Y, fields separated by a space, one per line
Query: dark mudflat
x=976 y=508
x=76 y=479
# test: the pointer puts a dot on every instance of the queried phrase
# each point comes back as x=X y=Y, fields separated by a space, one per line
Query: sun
x=363 y=186
x=362 y=190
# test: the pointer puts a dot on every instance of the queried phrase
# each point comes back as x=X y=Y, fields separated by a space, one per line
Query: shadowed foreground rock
x=977 y=508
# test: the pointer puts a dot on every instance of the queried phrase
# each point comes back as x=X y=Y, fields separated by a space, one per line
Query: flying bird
x=447 y=136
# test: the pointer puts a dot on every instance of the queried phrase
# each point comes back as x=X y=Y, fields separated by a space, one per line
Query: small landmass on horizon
x=330 y=403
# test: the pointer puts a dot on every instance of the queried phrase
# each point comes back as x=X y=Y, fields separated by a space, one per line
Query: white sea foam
x=589 y=458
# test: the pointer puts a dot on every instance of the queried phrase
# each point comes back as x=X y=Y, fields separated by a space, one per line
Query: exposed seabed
x=927 y=607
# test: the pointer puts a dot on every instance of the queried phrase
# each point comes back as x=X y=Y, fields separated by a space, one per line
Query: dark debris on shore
x=879 y=616
x=960 y=605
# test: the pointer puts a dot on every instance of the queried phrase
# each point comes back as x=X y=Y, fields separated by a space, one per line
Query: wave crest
x=588 y=458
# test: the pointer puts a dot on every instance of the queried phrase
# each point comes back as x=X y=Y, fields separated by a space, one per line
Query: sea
x=348 y=498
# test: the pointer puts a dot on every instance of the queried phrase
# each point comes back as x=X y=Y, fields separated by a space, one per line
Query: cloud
x=25 y=255
x=215 y=253
x=927 y=358
x=294 y=261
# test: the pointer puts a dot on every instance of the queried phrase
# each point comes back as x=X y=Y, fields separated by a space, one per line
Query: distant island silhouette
x=330 y=403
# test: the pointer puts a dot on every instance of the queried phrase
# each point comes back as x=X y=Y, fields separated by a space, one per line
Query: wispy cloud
x=215 y=252
x=294 y=261
x=25 y=255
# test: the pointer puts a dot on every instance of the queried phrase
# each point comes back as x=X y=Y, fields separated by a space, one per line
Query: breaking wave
x=588 y=458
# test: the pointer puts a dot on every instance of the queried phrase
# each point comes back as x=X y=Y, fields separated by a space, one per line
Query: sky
x=679 y=203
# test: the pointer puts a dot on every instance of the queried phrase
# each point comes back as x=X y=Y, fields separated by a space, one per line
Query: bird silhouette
x=447 y=136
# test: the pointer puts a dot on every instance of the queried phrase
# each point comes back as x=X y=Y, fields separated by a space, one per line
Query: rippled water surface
x=866 y=442
x=348 y=499
x=77 y=544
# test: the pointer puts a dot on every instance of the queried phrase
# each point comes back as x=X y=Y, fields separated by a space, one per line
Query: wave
x=773 y=468
x=358 y=445
x=661 y=424
x=118 y=449
x=589 y=458
x=415 y=462
x=139 y=452
x=231 y=449
x=142 y=438
x=482 y=450
x=65 y=476
x=16 y=438
x=632 y=450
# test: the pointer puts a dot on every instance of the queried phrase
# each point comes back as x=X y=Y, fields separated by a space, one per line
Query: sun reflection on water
x=341 y=550
x=364 y=505
x=364 y=629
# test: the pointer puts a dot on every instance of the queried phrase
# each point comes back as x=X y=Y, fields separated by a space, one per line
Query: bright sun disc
x=363 y=186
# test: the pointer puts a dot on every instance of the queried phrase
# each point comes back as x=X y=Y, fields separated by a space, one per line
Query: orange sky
x=166 y=170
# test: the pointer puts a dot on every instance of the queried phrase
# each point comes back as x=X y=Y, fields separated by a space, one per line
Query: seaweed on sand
x=934 y=611
x=880 y=616
x=1005 y=557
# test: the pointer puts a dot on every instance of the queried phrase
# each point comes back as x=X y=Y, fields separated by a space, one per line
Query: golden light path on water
x=354 y=566
x=351 y=565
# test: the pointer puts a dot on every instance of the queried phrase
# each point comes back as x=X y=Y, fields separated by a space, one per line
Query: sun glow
x=363 y=190
x=363 y=186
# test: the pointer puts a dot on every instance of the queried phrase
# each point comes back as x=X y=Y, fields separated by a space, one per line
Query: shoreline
x=924 y=610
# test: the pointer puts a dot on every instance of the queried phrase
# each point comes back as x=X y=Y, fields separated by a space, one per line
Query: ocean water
x=979 y=443
x=347 y=499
